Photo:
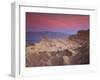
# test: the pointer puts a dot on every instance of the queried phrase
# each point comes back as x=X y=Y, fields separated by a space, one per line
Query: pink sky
x=44 y=21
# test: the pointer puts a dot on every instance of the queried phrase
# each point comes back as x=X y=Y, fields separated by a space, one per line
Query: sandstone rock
x=66 y=60
x=53 y=52
x=57 y=61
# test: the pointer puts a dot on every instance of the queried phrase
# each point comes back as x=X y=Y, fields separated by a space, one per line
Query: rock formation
x=53 y=52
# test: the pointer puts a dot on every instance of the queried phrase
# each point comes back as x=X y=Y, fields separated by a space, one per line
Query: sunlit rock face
x=53 y=52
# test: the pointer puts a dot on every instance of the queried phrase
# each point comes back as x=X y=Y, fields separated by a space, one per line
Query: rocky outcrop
x=47 y=58
x=82 y=57
x=53 y=52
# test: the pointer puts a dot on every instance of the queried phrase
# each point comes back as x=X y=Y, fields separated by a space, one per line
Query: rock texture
x=53 y=52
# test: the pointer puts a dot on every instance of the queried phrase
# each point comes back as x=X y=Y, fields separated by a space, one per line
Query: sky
x=67 y=23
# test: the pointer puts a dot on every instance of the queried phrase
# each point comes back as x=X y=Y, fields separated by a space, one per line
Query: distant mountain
x=32 y=37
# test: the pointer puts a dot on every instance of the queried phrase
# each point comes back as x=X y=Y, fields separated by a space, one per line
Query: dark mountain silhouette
x=82 y=34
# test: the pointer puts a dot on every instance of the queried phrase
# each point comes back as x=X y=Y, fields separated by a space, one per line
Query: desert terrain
x=73 y=50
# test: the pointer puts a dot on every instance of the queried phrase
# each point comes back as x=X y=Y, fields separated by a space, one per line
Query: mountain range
x=32 y=37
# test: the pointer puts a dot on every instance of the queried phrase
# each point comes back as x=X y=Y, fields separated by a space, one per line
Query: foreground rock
x=53 y=52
